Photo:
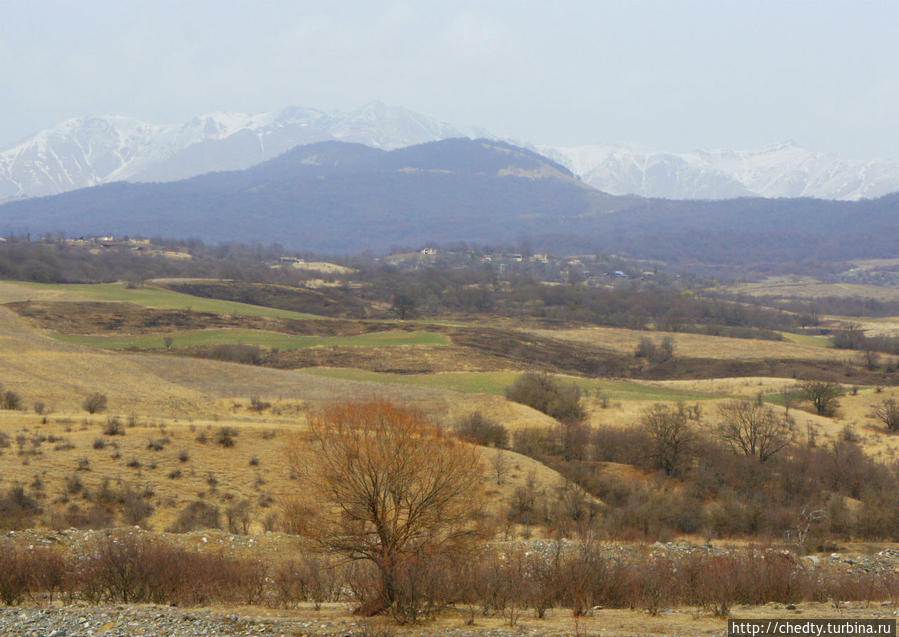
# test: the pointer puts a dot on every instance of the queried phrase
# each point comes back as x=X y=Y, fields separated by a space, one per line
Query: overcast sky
x=675 y=75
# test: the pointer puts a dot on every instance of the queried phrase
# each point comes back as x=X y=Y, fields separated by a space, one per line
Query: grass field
x=702 y=346
x=154 y=296
x=497 y=382
x=194 y=338
x=808 y=288
x=806 y=339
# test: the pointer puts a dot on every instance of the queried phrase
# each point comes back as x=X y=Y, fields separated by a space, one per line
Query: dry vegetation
x=583 y=467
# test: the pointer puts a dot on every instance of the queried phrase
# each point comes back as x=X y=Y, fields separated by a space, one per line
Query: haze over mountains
x=96 y=150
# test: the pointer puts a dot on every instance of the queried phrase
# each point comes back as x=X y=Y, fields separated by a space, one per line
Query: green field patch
x=162 y=298
x=497 y=382
x=806 y=339
x=199 y=338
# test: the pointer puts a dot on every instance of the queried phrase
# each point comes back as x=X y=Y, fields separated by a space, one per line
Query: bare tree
x=499 y=465
x=887 y=412
x=390 y=487
x=671 y=431
x=754 y=429
x=823 y=395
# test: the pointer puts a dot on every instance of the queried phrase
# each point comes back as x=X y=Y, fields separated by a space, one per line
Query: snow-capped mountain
x=784 y=170
x=94 y=150
x=88 y=151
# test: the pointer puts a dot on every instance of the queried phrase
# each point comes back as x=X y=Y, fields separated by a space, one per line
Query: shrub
x=135 y=509
x=24 y=572
x=196 y=515
x=482 y=431
x=544 y=393
x=10 y=400
x=17 y=509
x=157 y=444
x=113 y=427
x=225 y=436
x=94 y=403
x=238 y=517
x=660 y=353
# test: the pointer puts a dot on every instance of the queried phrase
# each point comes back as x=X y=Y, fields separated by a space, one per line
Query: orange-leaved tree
x=389 y=487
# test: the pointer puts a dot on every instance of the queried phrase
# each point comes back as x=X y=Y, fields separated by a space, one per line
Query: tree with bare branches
x=754 y=429
x=887 y=412
x=390 y=488
x=672 y=435
x=824 y=395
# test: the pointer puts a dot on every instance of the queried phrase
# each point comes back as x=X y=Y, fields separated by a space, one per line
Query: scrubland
x=579 y=524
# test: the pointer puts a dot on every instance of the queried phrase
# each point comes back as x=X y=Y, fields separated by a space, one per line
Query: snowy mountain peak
x=86 y=151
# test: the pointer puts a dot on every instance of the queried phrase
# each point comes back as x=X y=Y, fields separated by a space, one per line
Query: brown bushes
x=128 y=567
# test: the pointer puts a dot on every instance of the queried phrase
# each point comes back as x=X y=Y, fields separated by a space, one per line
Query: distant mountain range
x=784 y=170
x=339 y=197
x=90 y=151
x=335 y=197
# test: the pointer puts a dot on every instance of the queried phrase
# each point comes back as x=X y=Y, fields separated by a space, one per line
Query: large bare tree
x=389 y=486
x=672 y=435
x=754 y=429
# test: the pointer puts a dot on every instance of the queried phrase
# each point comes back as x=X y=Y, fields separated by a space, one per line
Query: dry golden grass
x=697 y=345
x=254 y=469
x=809 y=288
x=879 y=326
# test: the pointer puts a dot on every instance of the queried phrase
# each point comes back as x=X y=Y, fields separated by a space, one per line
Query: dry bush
x=887 y=412
x=310 y=579
x=225 y=436
x=196 y=515
x=483 y=431
x=628 y=445
x=131 y=568
x=556 y=398
x=113 y=427
x=238 y=517
x=94 y=403
x=25 y=572
x=17 y=509
x=10 y=400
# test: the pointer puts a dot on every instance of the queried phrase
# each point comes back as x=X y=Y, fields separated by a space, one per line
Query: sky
x=670 y=74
